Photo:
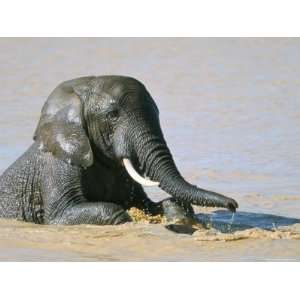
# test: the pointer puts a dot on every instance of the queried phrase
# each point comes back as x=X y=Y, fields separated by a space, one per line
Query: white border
x=149 y=18
x=149 y=281
x=144 y=280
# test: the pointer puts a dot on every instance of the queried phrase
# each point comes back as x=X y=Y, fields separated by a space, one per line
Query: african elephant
x=94 y=139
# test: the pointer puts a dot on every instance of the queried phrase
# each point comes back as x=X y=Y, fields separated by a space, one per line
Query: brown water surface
x=230 y=111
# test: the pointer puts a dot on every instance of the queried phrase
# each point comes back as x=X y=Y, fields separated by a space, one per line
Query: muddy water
x=230 y=111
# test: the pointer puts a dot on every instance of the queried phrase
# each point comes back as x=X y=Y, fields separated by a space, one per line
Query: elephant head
x=114 y=119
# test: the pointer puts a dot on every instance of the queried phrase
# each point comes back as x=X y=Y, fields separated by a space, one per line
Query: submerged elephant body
x=95 y=135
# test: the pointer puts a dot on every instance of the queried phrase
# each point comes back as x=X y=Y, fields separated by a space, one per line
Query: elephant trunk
x=157 y=163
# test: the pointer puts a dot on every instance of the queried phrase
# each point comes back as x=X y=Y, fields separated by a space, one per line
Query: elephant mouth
x=136 y=176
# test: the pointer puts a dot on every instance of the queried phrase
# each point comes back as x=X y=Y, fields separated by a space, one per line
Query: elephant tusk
x=136 y=176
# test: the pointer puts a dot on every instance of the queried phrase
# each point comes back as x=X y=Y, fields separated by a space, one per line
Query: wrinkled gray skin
x=73 y=172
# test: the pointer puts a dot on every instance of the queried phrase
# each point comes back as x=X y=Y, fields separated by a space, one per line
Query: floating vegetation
x=208 y=231
x=253 y=233
x=140 y=216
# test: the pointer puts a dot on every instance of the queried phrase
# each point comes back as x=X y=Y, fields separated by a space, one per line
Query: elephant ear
x=61 y=126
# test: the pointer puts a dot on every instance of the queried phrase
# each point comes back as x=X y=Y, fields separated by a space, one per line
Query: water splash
x=229 y=227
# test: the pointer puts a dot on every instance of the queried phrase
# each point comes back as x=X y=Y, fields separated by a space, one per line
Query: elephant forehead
x=116 y=86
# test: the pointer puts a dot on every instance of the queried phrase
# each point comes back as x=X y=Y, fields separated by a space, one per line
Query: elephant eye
x=113 y=115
